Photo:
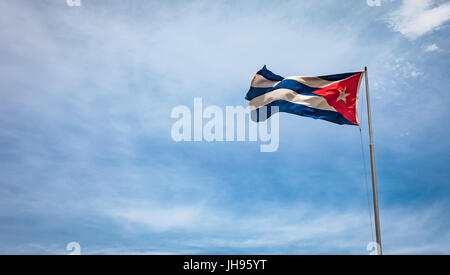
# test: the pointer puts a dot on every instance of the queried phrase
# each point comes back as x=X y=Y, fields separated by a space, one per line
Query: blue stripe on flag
x=254 y=92
x=336 y=77
x=269 y=75
x=302 y=110
x=285 y=84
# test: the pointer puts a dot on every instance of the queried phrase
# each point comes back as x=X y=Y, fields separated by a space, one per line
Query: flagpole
x=372 y=166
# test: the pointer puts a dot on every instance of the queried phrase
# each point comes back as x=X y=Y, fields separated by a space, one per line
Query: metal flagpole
x=372 y=166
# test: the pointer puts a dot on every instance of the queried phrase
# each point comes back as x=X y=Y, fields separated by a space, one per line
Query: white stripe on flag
x=311 y=81
x=260 y=81
x=316 y=102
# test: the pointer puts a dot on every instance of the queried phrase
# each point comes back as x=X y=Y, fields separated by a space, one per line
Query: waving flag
x=332 y=97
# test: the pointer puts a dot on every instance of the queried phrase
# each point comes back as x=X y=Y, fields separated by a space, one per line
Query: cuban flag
x=331 y=97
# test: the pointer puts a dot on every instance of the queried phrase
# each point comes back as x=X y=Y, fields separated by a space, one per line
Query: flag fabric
x=332 y=97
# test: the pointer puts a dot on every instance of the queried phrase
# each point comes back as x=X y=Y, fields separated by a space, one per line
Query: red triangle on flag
x=343 y=96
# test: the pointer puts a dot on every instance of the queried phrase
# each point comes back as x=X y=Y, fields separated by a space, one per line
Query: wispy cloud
x=276 y=229
x=373 y=3
x=415 y=18
x=431 y=48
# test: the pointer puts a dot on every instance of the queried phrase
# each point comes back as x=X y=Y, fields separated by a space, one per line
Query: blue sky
x=86 y=153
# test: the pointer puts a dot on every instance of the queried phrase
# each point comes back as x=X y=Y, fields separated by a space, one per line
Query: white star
x=342 y=95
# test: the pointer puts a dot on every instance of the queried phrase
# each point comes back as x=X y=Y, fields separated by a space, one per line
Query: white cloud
x=372 y=3
x=415 y=18
x=400 y=67
x=274 y=229
x=405 y=230
x=160 y=219
x=431 y=48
